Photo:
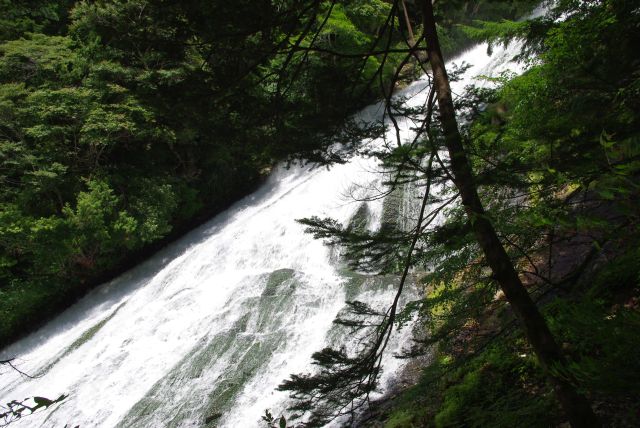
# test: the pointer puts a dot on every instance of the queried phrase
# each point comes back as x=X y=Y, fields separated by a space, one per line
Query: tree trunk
x=547 y=350
x=411 y=38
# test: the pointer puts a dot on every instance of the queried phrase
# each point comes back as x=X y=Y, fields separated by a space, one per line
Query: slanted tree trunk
x=547 y=350
x=410 y=37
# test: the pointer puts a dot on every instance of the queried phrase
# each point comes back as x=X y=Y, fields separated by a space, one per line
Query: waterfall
x=207 y=328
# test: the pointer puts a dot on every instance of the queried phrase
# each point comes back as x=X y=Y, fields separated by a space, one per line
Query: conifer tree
x=344 y=381
x=547 y=350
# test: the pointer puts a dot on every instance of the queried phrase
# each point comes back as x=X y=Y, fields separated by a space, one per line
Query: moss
x=229 y=358
x=276 y=279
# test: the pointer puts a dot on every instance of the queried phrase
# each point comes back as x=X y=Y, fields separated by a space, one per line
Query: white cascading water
x=209 y=327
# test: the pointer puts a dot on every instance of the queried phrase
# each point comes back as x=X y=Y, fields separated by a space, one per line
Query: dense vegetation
x=555 y=158
x=556 y=153
x=122 y=122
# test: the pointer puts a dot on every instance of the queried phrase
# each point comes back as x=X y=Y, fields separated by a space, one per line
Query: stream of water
x=212 y=324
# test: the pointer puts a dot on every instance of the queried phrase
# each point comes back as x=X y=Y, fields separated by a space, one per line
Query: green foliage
x=370 y=251
x=603 y=344
x=501 y=386
x=270 y=420
x=555 y=151
x=493 y=391
x=555 y=154
x=29 y=16
x=455 y=16
x=565 y=128
x=122 y=120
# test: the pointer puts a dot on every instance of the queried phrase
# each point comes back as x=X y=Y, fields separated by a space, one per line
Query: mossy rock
x=275 y=281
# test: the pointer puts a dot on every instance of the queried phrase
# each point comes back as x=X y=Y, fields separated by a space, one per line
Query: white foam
x=165 y=310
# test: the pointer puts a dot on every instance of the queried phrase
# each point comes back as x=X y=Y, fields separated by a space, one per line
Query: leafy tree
x=524 y=186
x=124 y=121
x=537 y=331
